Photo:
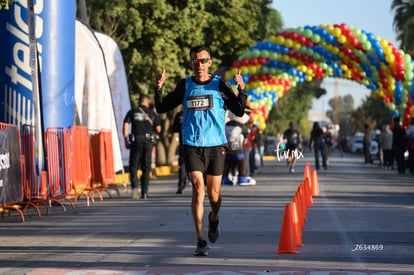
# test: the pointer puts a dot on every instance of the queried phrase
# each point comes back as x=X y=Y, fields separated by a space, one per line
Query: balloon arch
x=272 y=67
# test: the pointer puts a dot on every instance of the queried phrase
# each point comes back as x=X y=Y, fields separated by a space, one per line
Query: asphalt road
x=361 y=223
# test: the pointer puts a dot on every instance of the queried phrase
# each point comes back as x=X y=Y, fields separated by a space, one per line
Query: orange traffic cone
x=303 y=203
x=287 y=243
x=315 y=184
x=296 y=199
x=296 y=224
x=307 y=174
x=308 y=192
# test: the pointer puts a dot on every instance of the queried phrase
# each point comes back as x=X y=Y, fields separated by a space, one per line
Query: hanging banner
x=94 y=102
x=10 y=169
x=115 y=69
x=54 y=29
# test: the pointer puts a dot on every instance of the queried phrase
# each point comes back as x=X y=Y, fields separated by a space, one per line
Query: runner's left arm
x=235 y=103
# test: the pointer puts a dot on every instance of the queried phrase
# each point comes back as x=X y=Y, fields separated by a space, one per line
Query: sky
x=374 y=16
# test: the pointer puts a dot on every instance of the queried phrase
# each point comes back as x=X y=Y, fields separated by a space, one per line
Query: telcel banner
x=10 y=174
x=54 y=27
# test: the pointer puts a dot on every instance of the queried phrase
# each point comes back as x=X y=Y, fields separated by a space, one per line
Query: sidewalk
x=359 y=205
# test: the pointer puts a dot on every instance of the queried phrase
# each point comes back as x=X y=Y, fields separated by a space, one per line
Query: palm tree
x=404 y=24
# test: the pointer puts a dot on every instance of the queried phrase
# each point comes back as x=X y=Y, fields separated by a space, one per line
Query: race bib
x=200 y=103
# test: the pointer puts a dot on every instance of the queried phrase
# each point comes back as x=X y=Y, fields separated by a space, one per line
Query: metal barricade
x=34 y=187
x=80 y=164
x=57 y=157
x=102 y=156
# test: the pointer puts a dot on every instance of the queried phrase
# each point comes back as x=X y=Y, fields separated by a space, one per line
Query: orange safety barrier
x=80 y=164
x=8 y=206
x=102 y=156
x=34 y=187
x=57 y=157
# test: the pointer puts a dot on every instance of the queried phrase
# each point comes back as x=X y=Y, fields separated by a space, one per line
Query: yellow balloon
x=337 y=32
x=227 y=75
x=251 y=69
x=390 y=58
x=233 y=72
x=280 y=40
x=342 y=39
x=387 y=50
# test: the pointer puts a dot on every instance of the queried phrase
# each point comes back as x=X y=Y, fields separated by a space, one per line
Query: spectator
x=386 y=141
x=399 y=145
x=182 y=173
x=318 y=143
x=260 y=142
x=236 y=132
x=410 y=137
x=367 y=143
x=291 y=135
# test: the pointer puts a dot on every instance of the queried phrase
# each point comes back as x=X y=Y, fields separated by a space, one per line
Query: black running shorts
x=209 y=160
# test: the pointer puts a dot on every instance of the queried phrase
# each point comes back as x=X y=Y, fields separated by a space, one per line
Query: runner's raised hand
x=238 y=79
x=160 y=79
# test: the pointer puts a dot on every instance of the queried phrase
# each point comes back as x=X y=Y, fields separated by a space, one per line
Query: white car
x=358 y=147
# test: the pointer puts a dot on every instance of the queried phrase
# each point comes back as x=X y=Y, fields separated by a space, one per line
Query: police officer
x=145 y=126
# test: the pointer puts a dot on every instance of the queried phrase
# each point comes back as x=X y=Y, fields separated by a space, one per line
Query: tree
x=343 y=107
x=294 y=106
x=372 y=111
x=156 y=34
x=404 y=24
x=160 y=33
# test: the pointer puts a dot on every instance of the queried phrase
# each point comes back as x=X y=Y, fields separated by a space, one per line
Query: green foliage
x=372 y=111
x=343 y=108
x=294 y=106
x=404 y=24
x=159 y=34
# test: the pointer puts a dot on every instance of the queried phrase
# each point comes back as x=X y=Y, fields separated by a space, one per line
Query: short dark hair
x=142 y=98
x=199 y=48
x=397 y=119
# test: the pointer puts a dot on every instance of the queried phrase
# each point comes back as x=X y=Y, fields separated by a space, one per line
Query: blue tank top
x=204 y=114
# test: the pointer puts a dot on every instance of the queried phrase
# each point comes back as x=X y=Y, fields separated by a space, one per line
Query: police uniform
x=142 y=138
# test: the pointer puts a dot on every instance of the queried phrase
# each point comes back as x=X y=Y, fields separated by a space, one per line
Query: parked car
x=357 y=146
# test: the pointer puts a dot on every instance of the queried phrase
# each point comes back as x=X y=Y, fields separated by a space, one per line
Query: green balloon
x=264 y=70
x=264 y=53
x=273 y=55
x=316 y=38
x=255 y=53
x=308 y=33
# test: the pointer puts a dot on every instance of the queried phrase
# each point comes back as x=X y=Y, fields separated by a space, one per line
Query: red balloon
x=344 y=26
x=237 y=64
x=301 y=39
x=254 y=61
x=245 y=62
x=294 y=35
